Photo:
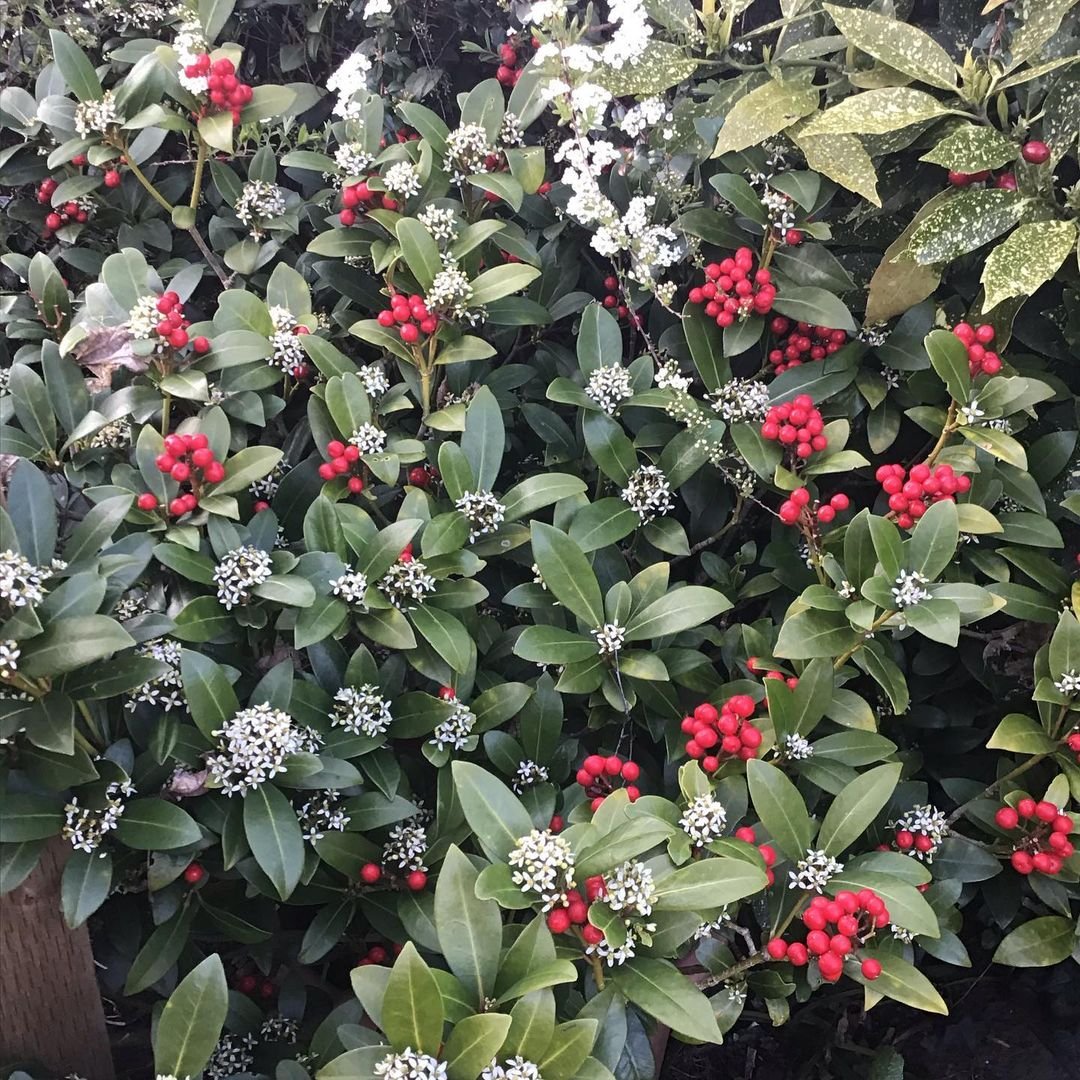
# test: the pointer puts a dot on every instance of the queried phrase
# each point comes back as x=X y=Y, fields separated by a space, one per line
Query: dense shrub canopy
x=516 y=545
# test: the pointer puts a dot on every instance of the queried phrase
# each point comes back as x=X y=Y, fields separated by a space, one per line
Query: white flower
x=253 y=745
x=402 y=179
x=409 y=1065
x=543 y=863
x=629 y=889
x=232 y=1055
x=971 y=413
x=374 y=380
x=901 y=934
x=115 y=435
x=451 y=292
x=707 y=929
x=668 y=377
x=406 y=584
x=454 y=731
x=590 y=103
x=348 y=81
x=642 y=116
x=483 y=512
x=350 y=587
x=322 y=813
x=610 y=638
x=9 y=658
x=97 y=115
x=649 y=493
x=353 y=159
x=279 y=1029
x=704 y=819
x=144 y=318
x=166 y=692
x=369 y=439
x=741 y=401
x=467 y=150
x=85 y=827
x=259 y=202
x=814 y=871
x=928 y=821
x=189 y=45
x=22 y=584
x=238 y=572
x=515 y=1068
x=405 y=846
x=796 y=748
x=846 y=589
x=608 y=386
x=377 y=7
x=631 y=38
x=909 y=589
x=440 y=221
x=528 y=775
x=1069 y=683
x=361 y=710
x=288 y=352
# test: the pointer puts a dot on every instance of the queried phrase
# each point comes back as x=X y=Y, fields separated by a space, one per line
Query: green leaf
x=492 y=810
x=877 y=112
x=213 y=15
x=553 y=645
x=412 y=1009
x=1027 y=259
x=1020 y=734
x=216 y=130
x=92 y=534
x=29 y=817
x=964 y=223
x=809 y=634
x=191 y=1021
x=419 y=250
x=735 y=190
x=780 y=807
x=32 y=506
x=855 y=808
x=567 y=573
x=210 y=697
x=483 y=438
x=473 y=1044
x=816 y=306
x=972 y=148
x=85 y=884
x=274 y=836
x=1040 y=942
x=933 y=542
x=902 y=982
x=445 y=634
x=664 y=993
x=709 y=883
x=162 y=949
x=156 y=825
x=501 y=281
x=764 y=112
x=681 y=609
x=1002 y=446
x=949 y=357
x=75 y=66
x=842 y=158
x=251 y=463
x=536 y=492
x=72 y=643
x=568 y=1050
x=906 y=904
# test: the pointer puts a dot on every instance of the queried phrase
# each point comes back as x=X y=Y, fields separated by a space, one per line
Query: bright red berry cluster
x=410 y=315
x=733 y=289
x=45 y=189
x=796 y=423
x=836 y=929
x=173 y=326
x=1073 y=741
x=976 y=339
x=359 y=197
x=251 y=984
x=227 y=93
x=753 y=665
x=613 y=298
x=910 y=493
x=598 y=774
x=344 y=457
x=906 y=840
x=724 y=733
x=378 y=954
x=804 y=342
x=372 y=873
x=801 y=508
x=766 y=851
x=189 y=460
x=575 y=912
x=1043 y=844
x=64 y=215
x=509 y=70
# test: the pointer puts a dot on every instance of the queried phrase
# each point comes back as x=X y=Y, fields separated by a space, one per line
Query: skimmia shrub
x=510 y=551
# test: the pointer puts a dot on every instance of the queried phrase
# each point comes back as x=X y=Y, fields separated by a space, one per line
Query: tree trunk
x=50 y=1006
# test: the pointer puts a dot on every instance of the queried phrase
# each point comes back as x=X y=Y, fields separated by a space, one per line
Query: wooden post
x=50 y=1005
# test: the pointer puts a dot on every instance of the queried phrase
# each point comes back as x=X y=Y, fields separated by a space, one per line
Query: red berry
x=52 y=221
x=593 y=935
x=1007 y=818
x=1035 y=151
x=370 y=873
x=871 y=968
x=1022 y=862
x=146 y=501
x=631 y=771
x=793 y=237
x=1006 y=181
x=410 y=333
x=594 y=765
x=214 y=473
x=446 y=693
x=1026 y=807
x=777 y=948
x=355 y=484
x=386 y=318
x=194 y=873
x=1046 y=811
x=817 y=941
x=905 y=839
x=613 y=765
x=178 y=508
x=419 y=476
x=556 y=825
x=797 y=955
x=178 y=338
x=266 y=989
x=416 y=880
x=347 y=217
x=831 y=966
x=558 y=920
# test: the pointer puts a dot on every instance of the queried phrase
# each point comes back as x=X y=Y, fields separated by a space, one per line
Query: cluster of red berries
x=734 y=289
x=575 y=912
x=766 y=851
x=835 y=929
x=378 y=954
x=45 y=190
x=410 y=315
x=805 y=342
x=172 y=326
x=753 y=666
x=598 y=774
x=65 y=214
x=976 y=339
x=612 y=299
x=796 y=423
x=194 y=873
x=421 y=476
x=372 y=873
x=1006 y=180
x=799 y=507
x=725 y=733
x=907 y=840
x=343 y=457
x=359 y=196
x=188 y=459
x=911 y=492
x=509 y=70
x=1073 y=741
x=1044 y=843
x=251 y=984
x=227 y=92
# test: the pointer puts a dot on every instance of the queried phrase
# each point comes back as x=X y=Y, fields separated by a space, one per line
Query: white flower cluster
x=629 y=889
x=441 y=222
x=166 y=692
x=910 y=589
x=649 y=493
x=643 y=115
x=585 y=162
x=467 y=150
x=528 y=775
x=232 y=1055
x=970 y=413
x=259 y=202
x=143 y=318
x=779 y=209
x=131 y=604
x=455 y=729
x=609 y=387
x=741 y=401
x=22 y=584
x=451 y=291
x=368 y=439
x=322 y=813
x=239 y=571
x=1069 y=683
x=814 y=871
x=350 y=587
x=651 y=248
x=892 y=377
x=266 y=487
x=279 y=1029
x=353 y=159
x=707 y=929
x=98 y=115
x=901 y=933
x=614 y=955
x=348 y=81
x=407 y=584
x=402 y=179
x=288 y=352
x=253 y=745
x=610 y=638
x=115 y=435
x=632 y=34
x=189 y=44
x=543 y=863
x=704 y=819
x=409 y=1065
x=669 y=377
x=483 y=512
x=405 y=846
x=361 y=710
x=9 y=658
x=515 y=1068
x=377 y=7
x=796 y=748
x=511 y=132
x=925 y=820
x=374 y=380
x=86 y=827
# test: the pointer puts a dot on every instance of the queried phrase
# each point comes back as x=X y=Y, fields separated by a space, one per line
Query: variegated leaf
x=1030 y=257
x=877 y=112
